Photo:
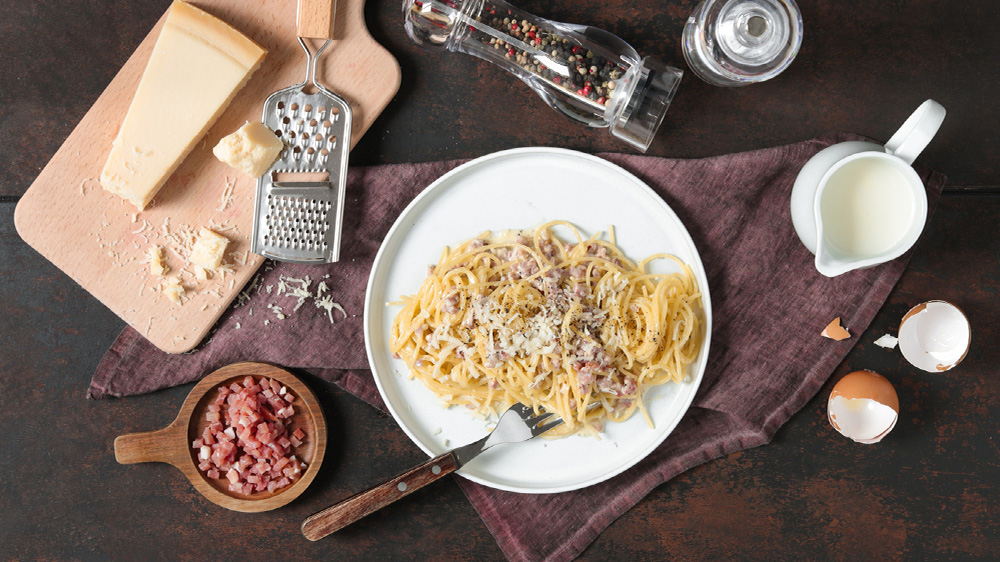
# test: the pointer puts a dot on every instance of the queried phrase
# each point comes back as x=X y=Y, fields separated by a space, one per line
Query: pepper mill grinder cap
x=649 y=88
x=431 y=24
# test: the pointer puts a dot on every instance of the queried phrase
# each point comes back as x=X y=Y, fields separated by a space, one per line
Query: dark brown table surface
x=929 y=491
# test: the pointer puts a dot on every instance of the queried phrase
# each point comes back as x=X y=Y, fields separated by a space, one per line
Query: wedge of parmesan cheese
x=155 y=257
x=197 y=65
x=173 y=289
x=251 y=149
x=209 y=249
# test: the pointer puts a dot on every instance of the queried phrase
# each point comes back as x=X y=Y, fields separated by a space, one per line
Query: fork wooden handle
x=316 y=18
x=340 y=515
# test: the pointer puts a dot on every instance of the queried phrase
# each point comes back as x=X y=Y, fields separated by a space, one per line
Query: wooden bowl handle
x=357 y=506
x=150 y=446
x=315 y=19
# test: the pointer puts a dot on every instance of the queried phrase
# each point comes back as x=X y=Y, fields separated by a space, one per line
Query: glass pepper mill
x=585 y=73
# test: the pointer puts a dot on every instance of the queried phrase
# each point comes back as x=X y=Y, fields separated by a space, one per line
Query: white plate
x=524 y=188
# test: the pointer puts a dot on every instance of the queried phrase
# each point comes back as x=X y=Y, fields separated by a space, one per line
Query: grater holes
x=294 y=106
x=286 y=120
x=321 y=110
x=335 y=111
x=308 y=108
x=327 y=124
x=281 y=105
x=333 y=141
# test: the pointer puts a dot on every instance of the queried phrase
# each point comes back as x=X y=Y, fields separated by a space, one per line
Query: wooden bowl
x=172 y=444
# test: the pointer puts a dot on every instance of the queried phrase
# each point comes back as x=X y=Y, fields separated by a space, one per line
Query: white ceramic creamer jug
x=858 y=204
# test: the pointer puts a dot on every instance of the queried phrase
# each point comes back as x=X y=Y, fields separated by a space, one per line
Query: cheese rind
x=209 y=249
x=197 y=65
x=251 y=149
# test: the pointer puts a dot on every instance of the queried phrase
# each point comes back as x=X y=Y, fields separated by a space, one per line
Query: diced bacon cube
x=246 y=439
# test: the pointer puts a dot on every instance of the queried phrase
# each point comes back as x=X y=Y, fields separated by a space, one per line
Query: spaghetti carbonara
x=573 y=328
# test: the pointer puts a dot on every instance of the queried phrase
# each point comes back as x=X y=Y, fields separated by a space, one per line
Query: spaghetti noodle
x=557 y=326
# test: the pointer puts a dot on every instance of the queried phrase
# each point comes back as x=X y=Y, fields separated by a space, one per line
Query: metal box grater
x=300 y=220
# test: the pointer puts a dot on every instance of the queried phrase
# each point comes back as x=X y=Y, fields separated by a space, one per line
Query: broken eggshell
x=863 y=406
x=935 y=336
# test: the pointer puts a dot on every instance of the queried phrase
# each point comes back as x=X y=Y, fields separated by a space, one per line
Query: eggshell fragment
x=887 y=342
x=935 y=336
x=863 y=406
x=835 y=331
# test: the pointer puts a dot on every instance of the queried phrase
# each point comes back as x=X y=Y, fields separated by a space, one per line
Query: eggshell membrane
x=935 y=336
x=861 y=419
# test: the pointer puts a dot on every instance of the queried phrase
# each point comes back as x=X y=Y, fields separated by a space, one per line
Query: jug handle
x=917 y=131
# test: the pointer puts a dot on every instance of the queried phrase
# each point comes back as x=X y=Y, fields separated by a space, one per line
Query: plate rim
x=696 y=265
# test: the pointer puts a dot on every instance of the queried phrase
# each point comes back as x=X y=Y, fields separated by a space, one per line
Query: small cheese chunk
x=173 y=289
x=197 y=65
x=209 y=249
x=200 y=273
x=252 y=149
x=156 y=265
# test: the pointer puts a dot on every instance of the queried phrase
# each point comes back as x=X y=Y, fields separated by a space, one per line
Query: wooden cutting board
x=100 y=240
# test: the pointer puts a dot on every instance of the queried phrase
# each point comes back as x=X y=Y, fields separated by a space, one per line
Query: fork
x=518 y=423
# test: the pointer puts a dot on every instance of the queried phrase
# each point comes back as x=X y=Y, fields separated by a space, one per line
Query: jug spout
x=831 y=265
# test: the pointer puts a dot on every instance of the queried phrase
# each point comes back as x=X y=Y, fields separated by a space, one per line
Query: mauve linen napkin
x=767 y=358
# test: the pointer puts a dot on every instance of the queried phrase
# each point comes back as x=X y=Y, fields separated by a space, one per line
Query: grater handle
x=316 y=18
